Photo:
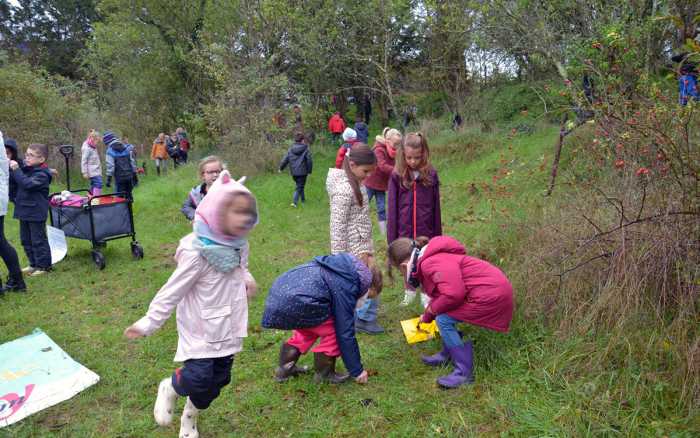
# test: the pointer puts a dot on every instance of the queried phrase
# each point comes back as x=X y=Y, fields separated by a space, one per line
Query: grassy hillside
x=487 y=185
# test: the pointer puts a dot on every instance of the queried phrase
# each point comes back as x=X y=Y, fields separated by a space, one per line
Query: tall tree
x=49 y=33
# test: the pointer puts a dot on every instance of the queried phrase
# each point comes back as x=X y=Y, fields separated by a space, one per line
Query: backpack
x=122 y=167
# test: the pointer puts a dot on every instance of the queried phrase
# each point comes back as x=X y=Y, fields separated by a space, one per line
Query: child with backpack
x=33 y=178
x=385 y=148
x=350 y=223
x=298 y=158
x=159 y=154
x=461 y=289
x=209 y=288
x=121 y=164
x=90 y=163
x=414 y=199
x=318 y=300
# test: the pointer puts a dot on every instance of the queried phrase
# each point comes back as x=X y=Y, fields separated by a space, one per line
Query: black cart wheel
x=99 y=259
x=136 y=250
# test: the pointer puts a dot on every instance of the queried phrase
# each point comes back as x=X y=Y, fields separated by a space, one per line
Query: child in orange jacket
x=159 y=153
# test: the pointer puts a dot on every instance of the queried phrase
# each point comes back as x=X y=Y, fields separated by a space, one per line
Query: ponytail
x=360 y=154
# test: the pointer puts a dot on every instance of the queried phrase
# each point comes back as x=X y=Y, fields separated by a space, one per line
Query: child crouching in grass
x=209 y=289
x=318 y=300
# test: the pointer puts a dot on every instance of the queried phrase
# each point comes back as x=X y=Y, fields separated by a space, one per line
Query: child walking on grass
x=209 y=288
x=300 y=163
x=318 y=300
x=350 y=225
x=159 y=154
x=461 y=289
x=414 y=199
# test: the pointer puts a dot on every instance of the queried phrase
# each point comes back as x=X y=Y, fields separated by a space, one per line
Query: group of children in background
x=175 y=146
x=331 y=297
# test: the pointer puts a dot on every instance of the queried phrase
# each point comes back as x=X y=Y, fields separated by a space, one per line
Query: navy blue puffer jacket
x=306 y=296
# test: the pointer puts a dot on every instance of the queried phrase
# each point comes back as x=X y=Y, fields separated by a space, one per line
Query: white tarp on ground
x=36 y=373
x=57 y=243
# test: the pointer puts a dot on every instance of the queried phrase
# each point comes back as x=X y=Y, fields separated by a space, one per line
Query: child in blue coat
x=318 y=300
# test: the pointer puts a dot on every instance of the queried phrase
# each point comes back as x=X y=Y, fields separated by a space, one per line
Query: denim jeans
x=95 y=182
x=381 y=202
x=450 y=336
x=202 y=379
x=368 y=312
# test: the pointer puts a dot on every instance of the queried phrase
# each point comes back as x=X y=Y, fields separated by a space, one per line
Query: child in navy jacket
x=32 y=206
x=318 y=300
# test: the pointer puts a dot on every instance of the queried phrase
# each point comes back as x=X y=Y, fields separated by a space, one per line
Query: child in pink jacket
x=209 y=288
x=461 y=289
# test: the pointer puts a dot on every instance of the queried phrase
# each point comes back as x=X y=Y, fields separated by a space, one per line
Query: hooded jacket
x=308 y=295
x=413 y=211
x=298 y=158
x=122 y=155
x=90 y=163
x=212 y=306
x=362 y=132
x=336 y=124
x=379 y=179
x=464 y=287
x=32 y=199
x=351 y=225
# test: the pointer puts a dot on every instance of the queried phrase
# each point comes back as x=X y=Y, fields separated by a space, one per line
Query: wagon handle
x=67 y=151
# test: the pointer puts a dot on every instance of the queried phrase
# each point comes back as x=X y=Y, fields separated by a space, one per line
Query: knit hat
x=209 y=210
x=108 y=138
x=349 y=134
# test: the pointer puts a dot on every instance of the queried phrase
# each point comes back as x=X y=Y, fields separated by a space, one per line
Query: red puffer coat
x=463 y=287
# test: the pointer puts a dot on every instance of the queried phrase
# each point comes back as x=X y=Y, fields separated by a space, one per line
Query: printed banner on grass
x=36 y=373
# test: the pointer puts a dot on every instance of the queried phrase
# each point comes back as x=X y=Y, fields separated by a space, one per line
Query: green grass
x=522 y=384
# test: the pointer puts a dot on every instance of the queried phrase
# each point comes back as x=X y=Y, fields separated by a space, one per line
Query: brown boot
x=289 y=355
x=325 y=370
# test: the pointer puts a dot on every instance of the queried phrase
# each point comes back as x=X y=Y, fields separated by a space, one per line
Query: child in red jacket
x=461 y=289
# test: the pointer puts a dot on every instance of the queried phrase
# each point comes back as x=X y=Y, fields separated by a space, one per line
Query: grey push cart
x=98 y=219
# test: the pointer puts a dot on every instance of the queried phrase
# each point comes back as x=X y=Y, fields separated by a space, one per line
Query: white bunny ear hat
x=223 y=187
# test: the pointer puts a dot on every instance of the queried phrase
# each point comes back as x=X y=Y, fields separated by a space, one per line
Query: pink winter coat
x=463 y=287
x=212 y=306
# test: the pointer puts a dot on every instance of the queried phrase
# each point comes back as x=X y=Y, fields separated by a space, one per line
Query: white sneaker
x=36 y=272
x=424 y=300
x=408 y=297
x=165 y=403
x=28 y=270
x=188 y=421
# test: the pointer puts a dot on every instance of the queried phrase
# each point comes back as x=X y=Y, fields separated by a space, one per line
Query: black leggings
x=8 y=253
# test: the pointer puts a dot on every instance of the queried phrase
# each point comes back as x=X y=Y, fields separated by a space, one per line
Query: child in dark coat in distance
x=362 y=130
x=414 y=198
x=121 y=164
x=300 y=163
x=32 y=207
x=318 y=299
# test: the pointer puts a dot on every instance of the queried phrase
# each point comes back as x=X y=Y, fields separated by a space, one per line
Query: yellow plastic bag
x=414 y=334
